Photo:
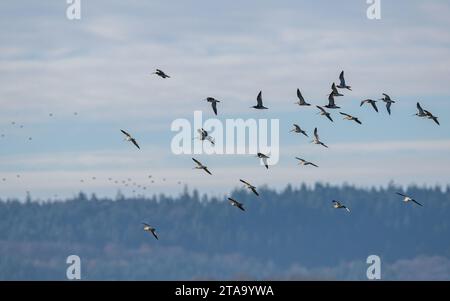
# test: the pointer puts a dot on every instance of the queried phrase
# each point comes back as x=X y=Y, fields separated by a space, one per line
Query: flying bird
x=201 y=166
x=235 y=203
x=387 y=99
x=324 y=113
x=338 y=205
x=259 y=101
x=342 y=84
x=297 y=129
x=317 y=140
x=128 y=137
x=335 y=91
x=205 y=136
x=249 y=186
x=150 y=229
x=161 y=73
x=372 y=102
x=264 y=158
x=301 y=101
x=431 y=116
x=304 y=162
x=213 y=102
x=407 y=199
x=350 y=117
x=421 y=112
x=331 y=104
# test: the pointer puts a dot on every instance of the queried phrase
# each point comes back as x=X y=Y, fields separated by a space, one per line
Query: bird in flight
x=301 y=101
x=331 y=104
x=259 y=101
x=317 y=140
x=387 y=99
x=350 y=117
x=161 y=73
x=421 y=112
x=324 y=113
x=342 y=84
x=213 y=102
x=205 y=136
x=372 y=102
x=150 y=229
x=407 y=199
x=338 y=205
x=335 y=91
x=298 y=129
x=235 y=203
x=431 y=116
x=264 y=158
x=128 y=137
x=304 y=162
x=249 y=186
x=201 y=166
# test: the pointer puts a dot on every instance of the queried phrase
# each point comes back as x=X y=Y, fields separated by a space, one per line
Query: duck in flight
x=249 y=186
x=150 y=229
x=317 y=140
x=338 y=205
x=350 y=117
x=342 y=84
x=304 y=162
x=201 y=166
x=235 y=203
x=372 y=102
x=335 y=91
x=161 y=73
x=259 y=102
x=387 y=99
x=264 y=158
x=324 y=113
x=128 y=137
x=298 y=129
x=301 y=101
x=407 y=199
x=331 y=104
x=213 y=102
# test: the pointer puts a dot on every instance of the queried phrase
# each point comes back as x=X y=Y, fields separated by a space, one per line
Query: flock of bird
x=204 y=135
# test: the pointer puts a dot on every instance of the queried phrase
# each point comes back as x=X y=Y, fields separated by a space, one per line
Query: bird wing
x=329 y=117
x=245 y=182
x=297 y=127
x=146 y=224
x=135 y=143
x=341 y=78
x=345 y=114
x=333 y=87
x=206 y=169
x=316 y=134
x=154 y=234
x=363 y=102
x=420 y=109
x=259 y=99
x=300 y=159
x=313 y=164
x=159 y=70
x=388 y=107
x=417 y=202
x=214 y=107
x=125 y=133
x=374 y=106
x=265 y=162
x=254 y=191
x=300 y=96
x=321 y=109
x=386 y=96
x=210 y=139
x=347 y=209
x=358 y=121
x=198 y=162
x=401 y=194
x=331 y=100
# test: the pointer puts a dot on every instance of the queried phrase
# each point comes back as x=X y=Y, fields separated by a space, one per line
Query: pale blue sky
x=100 y=68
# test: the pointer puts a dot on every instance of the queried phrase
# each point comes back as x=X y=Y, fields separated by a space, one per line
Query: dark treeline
x=281 y=234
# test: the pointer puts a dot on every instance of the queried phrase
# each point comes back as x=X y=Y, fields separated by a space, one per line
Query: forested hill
x=292 y=234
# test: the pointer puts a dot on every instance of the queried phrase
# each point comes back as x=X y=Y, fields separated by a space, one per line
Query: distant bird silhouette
x=128 y=137
x=421 y=112
x=259 y=101
x=297 y=129
x=201 y=166
x=161 y=73
x=372 y=102
x=235 y=203
x=350 y=117
x=317 y=140
x=205 y=136
x=264 y=158
x=331 y=104
x=250 y=186
x=213 y=102
x=342 y=84
x=335 y=91
x=407 y=199
x=305 y=163
x=431 y=116
x=150 y=229
x=338 y=205
x=387 y=99
x=301 y=101
x=324 y=113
